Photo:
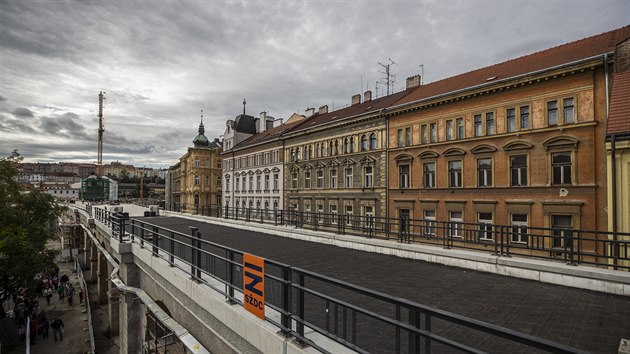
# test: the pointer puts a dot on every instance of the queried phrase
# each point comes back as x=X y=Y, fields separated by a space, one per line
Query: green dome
x=200 y=140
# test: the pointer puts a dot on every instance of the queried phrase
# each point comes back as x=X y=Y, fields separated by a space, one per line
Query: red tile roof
x=365 y=107
x=266 y=135
x=619 y=110
x=563 y=54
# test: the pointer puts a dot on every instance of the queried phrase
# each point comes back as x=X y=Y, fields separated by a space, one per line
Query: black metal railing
x=303 y=301
x=590 y=247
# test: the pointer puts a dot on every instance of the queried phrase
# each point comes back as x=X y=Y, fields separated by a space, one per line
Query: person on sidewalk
x=44 y=328
x=64 y=279
x=69 y=293
x=57 y=327
x=61 y=290
x=48 y=294
x=81 y=296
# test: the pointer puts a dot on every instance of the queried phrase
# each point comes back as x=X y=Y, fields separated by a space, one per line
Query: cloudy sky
x=162 y=62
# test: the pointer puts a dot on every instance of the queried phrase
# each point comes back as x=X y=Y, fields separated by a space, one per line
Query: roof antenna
x=244 y=103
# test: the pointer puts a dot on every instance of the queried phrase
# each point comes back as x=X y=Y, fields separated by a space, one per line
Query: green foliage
x=27 y=219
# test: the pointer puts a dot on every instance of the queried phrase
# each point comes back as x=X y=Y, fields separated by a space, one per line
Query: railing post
x=142 y=234
x=229 y=276
x=285 y=318
x=300 y=308
x=427 y=327
x=198 y=258
x=193 y=253
x=121 y=228
x=171 y=258
x=133 y=229
x=414 y=338
x=154 y=240
x=496 y=239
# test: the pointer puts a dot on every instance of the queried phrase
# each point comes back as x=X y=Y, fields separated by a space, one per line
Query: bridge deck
x=581 y=318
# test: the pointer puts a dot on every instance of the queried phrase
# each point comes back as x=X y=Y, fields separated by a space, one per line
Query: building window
x=449 y=130
x=333 y=178
x=407 y=136
x=227 y=183
x=266 y=158
x=346 y=147
x=349 y=215
x=429 y=223
x=218 y=165
x=455 y=173
x=485 y=226
x=321 y=150
x=197 y=180
x=307 y=179
x=519 y=228
x=478 y=125
x=197 y=199
x=237 y=183
x=552 y=113
x=524 y=117
x=244 y=183
x=294 y=180
x=568 y=110
x=351 y=145
x=403 y=176
x=490 y=123
x=433 y=128
x=511 y=119
x=455 y=219
x=484 y=172
x=518 y=170
x=196 y=162
x=561 y=167
x=275 y=205
x=368 y=215
x=330 y=148
x=275 y=181
x=336 y=147
x=428 y=174
x=460 y=128
x=400 y=138
x=320 y=179
x=207 y=180
x=251 y=183
x=368 y=180
x=266 y=182
x=373 y=141
x=423 y=134
x=276 y=156
x=364 y=143
x=349 y=177
x=333 y=212
x=562 y=225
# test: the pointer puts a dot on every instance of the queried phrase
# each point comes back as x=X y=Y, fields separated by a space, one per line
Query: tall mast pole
x=100 y=134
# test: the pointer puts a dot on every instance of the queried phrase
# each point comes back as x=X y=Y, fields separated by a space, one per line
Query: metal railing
x=358 y=318
x=590 y=247
x=86 y=299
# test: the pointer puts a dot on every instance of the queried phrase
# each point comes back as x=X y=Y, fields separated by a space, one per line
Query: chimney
x=367 y=96
x=356 y=99
x=413 y=81
x=323 y=109
x=310 y=111
x=269 y=122
x=257 y=122
x=262 y=122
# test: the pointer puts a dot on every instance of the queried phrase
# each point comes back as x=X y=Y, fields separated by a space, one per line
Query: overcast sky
x=162 y=62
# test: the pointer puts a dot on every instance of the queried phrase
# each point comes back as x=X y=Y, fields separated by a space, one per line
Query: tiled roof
x=266 y=135
x=365 y=107
x=563 y=54
x=619 y=110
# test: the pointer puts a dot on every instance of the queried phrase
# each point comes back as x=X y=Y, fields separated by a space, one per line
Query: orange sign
x=254 y=284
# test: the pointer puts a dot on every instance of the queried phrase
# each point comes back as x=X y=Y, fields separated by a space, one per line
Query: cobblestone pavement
x=589 y=320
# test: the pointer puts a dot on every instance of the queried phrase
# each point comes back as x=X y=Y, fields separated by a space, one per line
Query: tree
x=27 y=219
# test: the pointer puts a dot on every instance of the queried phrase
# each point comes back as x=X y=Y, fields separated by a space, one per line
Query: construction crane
x=100 y=134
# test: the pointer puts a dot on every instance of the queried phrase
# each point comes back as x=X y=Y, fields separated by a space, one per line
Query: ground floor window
x=485 y=226
x=349 y=215
x=455 y=219
x=562 y=229
x=333 y=213
x=429 y=222
x=519 y=226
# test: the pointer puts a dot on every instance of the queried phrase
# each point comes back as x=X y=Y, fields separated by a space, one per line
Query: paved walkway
x=585 y=319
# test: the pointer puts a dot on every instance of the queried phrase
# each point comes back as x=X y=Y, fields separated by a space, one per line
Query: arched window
x=330 y=149
x=336 y=147
x=373 y=141
x=364 y=143
x=351 y=145
x=292 y=155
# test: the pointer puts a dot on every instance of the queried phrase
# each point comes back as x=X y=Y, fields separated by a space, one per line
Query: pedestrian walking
x=57 y=327
x=81 y=296
x=69 y=293
x=61 y=290
x=48 y=294
x=64 y=279
x=44 y=328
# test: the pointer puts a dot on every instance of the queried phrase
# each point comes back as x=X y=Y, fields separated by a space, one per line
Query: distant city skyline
x=161 y=63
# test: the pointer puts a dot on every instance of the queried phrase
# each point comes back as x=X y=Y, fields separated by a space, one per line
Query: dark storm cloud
x=23 y=112
x=65 y=125
x=9 y=124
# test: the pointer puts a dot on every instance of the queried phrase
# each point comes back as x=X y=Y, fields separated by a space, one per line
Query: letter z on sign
x=254 y=284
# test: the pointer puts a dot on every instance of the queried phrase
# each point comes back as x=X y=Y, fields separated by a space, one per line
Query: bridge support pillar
x=103 y=278
x=93 y=258
x=113 y=309
x=132 y=324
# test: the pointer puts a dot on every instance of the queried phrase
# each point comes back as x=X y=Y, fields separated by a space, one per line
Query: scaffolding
x=95 y=189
